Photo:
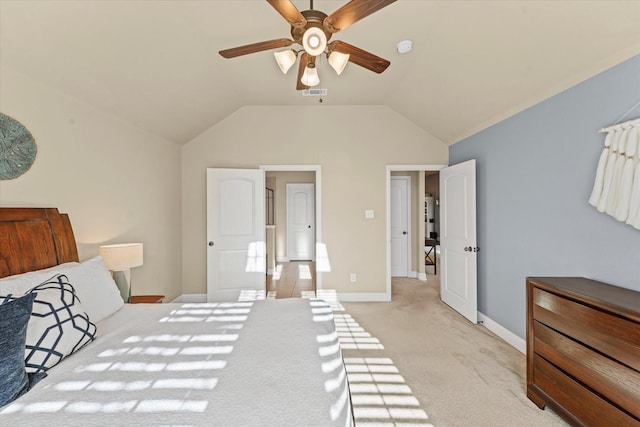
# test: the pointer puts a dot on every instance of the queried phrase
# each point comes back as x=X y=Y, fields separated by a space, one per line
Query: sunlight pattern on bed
x=330 y=351
x=152 y=362
x=164 y=371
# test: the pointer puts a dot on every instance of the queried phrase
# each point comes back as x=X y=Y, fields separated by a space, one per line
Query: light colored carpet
x=416 y=362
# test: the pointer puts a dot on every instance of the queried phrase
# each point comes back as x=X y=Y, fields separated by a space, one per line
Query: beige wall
x=432 y=184
x=353 y=145
x=121 y=184
x=117 y=183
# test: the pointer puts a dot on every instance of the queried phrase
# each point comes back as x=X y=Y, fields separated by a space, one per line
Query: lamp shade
x=285 y=59
x=338 y=61
x=121 y=257
x=310 y=76
x=314 y=41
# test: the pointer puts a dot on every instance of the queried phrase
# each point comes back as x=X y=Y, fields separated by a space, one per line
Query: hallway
x=297 y=279
x=293 y=279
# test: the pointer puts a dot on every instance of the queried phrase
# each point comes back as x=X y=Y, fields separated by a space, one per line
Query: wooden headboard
x=34 y=238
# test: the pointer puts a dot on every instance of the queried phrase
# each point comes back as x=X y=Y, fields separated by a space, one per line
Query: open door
x=236 y=250
x=458 y=250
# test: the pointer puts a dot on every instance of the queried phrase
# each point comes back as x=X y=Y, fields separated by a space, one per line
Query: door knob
x=210 y=243
x=309 y=226
x=404 y=232
x=468 y=249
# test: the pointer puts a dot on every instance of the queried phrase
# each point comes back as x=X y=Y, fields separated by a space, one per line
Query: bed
x=237 y=363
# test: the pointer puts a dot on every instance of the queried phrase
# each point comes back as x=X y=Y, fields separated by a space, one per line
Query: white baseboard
x=363 y=297
x=422 y=276
x=508 y=336
x=413 y=275
x=270 y=272
x=282 y=259
x=191 y=298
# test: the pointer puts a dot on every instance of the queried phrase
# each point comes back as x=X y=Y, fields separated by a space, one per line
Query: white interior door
x=300 y=222
x=236 y=254
x=458 y=250
x=399 y=197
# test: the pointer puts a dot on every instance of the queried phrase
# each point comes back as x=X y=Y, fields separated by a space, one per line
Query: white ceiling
x=155 y=63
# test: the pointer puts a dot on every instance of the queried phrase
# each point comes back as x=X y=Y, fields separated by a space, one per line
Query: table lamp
x=120 y=259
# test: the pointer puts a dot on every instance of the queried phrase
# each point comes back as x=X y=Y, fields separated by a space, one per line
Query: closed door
x=458 y=250
x=300 y=222
x=399 y=198
x=235 y=233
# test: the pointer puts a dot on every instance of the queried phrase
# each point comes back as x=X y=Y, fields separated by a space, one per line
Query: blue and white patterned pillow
x=58 y=326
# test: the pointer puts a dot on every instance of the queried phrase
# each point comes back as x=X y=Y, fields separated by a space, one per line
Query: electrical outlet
x=353 y=277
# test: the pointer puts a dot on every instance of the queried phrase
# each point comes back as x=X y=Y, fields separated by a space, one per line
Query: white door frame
x=394 y=168
x=318 y=202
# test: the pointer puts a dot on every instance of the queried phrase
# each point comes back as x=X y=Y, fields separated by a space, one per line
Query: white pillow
x=95 y=287
x=92 y=281
x=21 y=283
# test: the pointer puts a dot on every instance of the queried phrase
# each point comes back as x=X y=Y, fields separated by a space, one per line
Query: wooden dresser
x=583 y=350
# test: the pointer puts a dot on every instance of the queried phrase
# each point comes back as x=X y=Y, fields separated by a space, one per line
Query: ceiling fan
x=313 y=29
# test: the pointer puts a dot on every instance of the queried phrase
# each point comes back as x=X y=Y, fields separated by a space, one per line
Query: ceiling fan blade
x=289 y=12
x=255 y=47
x=352 y=12
x=360 y=57
x=304 y=60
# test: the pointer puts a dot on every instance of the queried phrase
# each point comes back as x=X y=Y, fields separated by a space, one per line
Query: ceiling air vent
x=314 y=92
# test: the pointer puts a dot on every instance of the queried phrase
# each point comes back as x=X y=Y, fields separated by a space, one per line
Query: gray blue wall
x=535 y=172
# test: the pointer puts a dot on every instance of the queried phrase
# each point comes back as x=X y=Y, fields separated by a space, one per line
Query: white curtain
x=616 y=190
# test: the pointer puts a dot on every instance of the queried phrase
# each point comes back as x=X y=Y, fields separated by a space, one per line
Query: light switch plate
x=368 y=214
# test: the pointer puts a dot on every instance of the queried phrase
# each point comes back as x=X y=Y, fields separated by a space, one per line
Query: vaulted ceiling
x=156 y=63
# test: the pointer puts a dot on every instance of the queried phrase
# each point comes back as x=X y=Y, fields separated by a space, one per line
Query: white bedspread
x=259 y=363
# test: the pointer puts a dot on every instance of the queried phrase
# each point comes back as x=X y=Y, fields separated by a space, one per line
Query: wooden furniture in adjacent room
x=430 y=254
x=146 y=299
x=583 y=350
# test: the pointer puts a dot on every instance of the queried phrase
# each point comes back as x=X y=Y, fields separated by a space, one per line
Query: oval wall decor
x=17 y=148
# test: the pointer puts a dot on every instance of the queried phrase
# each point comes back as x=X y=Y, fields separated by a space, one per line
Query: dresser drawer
x=617 y=337
x=570 y=397
x=601 y=374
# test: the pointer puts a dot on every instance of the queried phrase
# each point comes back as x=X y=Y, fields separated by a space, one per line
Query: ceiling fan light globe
x=314 y=41
x=285 y=59
x=338 y=61
x=310 y=77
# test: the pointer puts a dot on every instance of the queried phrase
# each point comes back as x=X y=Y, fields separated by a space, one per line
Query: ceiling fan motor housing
x=314 y=19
